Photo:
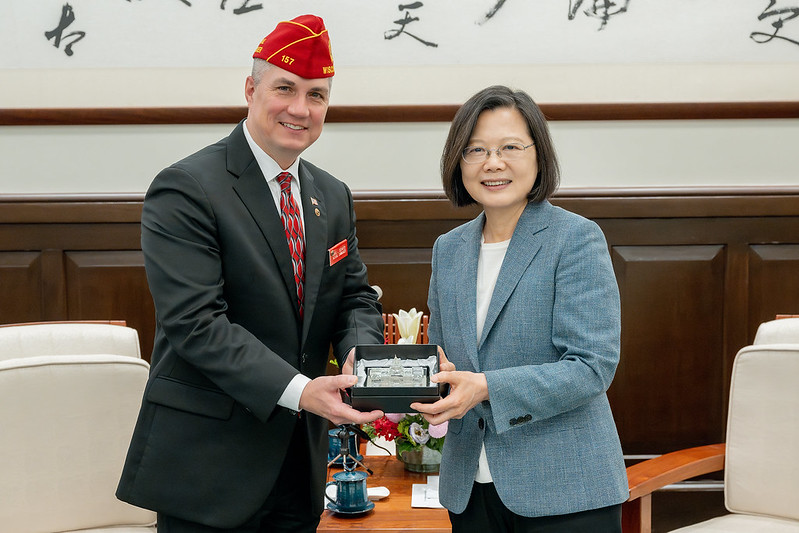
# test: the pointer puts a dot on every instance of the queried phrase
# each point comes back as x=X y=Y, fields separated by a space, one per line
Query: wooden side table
x=393 y=513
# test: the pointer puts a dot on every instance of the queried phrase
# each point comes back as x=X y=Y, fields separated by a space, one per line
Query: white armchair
x=69 y=397
x=68 y=338
x=783 y=331
x=761 y=474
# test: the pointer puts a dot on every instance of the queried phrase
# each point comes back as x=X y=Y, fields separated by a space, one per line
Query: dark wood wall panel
x=406 y=269
x=20 y=286
x=74 y=236
x=698 y=270
x=402 y=233
x=111 y=284
x=669 y=298
x=774 y=283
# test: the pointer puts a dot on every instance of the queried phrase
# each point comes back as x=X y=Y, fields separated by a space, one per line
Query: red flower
x=386 y=428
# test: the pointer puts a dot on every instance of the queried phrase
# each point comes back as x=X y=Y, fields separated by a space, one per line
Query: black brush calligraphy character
x=243 y=8
x=67 y=18
x=391 y=34
x=573 y=7
x=783 y=14
x=492 y=11
x=604 y=10
x=78 y=36
x=57 y=34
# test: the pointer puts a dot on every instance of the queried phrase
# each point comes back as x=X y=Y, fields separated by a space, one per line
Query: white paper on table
x=371 y=449
x=426 y=495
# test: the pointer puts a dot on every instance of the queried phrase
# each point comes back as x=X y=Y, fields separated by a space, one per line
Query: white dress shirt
x=290 y=399
x=488 y=265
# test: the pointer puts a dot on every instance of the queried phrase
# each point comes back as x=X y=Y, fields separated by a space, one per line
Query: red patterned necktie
x=292 y=222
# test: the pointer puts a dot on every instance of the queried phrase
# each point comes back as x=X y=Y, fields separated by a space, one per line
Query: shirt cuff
x=290 y=399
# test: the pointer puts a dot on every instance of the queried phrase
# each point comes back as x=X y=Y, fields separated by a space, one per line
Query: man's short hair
x=260 y=66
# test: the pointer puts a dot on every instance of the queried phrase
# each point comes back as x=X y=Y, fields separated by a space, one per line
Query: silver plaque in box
x=393 y=376
x=397 y=375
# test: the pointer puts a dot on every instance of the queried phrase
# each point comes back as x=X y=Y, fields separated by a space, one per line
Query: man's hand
x=347 y=367
x=322 y=396
x=467 y=389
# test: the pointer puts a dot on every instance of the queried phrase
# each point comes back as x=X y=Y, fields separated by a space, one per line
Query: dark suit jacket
x=210 y=437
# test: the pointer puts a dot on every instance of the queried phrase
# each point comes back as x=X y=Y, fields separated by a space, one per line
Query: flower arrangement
x=413 y=436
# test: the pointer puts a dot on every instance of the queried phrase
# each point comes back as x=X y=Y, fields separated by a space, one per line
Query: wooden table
x=393 y=513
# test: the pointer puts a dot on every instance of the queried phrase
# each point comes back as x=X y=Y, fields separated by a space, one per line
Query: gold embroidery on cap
x=304 y=26
x=290 y=44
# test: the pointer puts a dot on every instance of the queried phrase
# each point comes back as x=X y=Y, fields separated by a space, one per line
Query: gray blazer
x=549 y=350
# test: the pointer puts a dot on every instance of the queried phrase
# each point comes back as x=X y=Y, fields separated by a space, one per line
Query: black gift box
x=394 y=399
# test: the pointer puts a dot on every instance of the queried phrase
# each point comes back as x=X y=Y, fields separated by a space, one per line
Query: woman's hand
x=466 y=389
x=443 y=363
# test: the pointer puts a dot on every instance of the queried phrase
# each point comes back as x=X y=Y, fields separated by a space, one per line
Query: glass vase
x=421 y=459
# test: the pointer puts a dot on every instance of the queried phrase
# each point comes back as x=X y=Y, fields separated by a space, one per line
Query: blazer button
x=481 y=424
x=513 y=421
x=528 y=417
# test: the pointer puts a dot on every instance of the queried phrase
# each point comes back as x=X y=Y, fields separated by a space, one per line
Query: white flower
x=418 y=433
x=408 y=325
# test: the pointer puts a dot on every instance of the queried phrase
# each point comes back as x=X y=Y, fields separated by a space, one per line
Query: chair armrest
x=652 y=474
x=648 y=476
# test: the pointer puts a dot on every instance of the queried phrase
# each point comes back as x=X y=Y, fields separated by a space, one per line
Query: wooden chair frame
x=648 y=476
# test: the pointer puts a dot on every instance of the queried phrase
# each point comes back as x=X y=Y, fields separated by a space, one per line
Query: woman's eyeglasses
x=506 y=152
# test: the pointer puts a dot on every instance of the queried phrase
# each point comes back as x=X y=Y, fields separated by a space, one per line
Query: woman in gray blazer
x=523 y=300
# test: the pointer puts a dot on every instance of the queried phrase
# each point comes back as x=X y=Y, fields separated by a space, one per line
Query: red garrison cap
x=301 y=46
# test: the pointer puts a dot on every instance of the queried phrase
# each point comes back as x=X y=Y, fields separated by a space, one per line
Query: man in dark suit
x=253 y=264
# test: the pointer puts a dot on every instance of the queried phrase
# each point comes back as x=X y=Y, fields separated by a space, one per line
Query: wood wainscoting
x=698 y=270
